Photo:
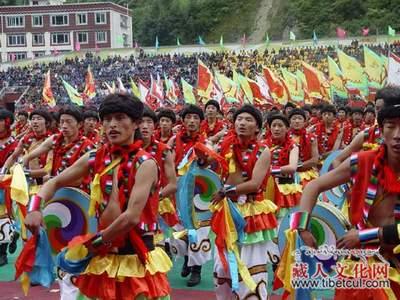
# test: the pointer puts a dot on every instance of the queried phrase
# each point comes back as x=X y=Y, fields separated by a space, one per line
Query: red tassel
x=138 y=245
x=26 y=258
x=219 y=227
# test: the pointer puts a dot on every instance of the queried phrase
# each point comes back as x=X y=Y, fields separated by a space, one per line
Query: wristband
x=35 y=203
x=368 y=236
x=276 y=170
x=230 y=189
x=299 y=220
x=390 y=234
x=3 y=171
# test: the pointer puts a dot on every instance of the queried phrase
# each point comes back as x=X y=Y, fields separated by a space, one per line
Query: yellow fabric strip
x=284 y=268
x=289 y=189
x=96 y=195
x=166 y=206
x=19 y=186
x=249 y=209
x=232 y=163
x=308 y=175
x=119 y=266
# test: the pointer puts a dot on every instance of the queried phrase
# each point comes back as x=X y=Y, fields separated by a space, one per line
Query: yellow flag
x=353 y=72
x=188 y=94
x=335 y=79
x=374 y=67
x=229 y=87
x=244 y=85
x=134 y=88
x=294 y=86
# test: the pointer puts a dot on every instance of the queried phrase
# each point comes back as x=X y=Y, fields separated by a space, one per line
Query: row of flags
x=340 y=33
x=346 y=78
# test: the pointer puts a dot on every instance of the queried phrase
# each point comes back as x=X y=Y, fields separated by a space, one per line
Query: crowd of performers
x=129 y=158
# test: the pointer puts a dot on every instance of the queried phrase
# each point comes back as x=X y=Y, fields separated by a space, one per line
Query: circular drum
x=66 y=216
x=200 y=188
x=327 y=224
x=337 y=195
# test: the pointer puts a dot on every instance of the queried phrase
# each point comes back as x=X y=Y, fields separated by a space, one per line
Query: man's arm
x=14 y=156
x=145 y=179
x=169 y=168
x=355 y=146
x=43 y=148
x=326 y=182
x=339 y=139
x=313 y=161
x=293 y=162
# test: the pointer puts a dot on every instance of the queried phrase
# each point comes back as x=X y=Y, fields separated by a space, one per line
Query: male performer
x=354 y=126
x=90 y=126
x=328 y=133
x=374 y=198
x=162 y=154
x=22 y=125
x=39 y=123
x=371 y=137
x=212 y=125
x=7 y=146
x=308 y=146
x=195 y=254
x=284 y=163
x=245 y=186
x=67 y=146
x=166 y=121
x=369 y=116
x=127 y=210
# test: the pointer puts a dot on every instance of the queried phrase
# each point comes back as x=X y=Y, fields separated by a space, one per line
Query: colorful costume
x=257 y=248
x=282 y=189
x=326 y=137
x=211 y=131
x=136 y=268
x=350 y=131
x=304 y=140
x=372 y=138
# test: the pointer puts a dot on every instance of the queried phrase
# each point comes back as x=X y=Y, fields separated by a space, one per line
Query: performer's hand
x=33 y=221
x=349 y=241
x=308 y=239
x=217 y=197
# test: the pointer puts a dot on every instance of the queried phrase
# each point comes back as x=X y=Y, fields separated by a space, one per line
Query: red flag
x=365 y=31
x=341 y=33
x=204 y=80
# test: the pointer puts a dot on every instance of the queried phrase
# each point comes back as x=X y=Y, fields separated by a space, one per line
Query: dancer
x=127 y=210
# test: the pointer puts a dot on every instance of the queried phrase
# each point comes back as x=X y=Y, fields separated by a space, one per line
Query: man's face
x=378 y=105
x=165 y=124
x=297 y=122
x=192 y=122
x=341 y=115
x=38 y=124
x=391 y=135
x=147 y=127
x=119 y=128
x=22 y=119
x=211 y=111
x=369 y=118
x=328 y=117
x=357 y=118
x=308 y=115
x=69 y=126
x=288 y=110
x=89 y=124
x=278 y=129
x=246 y=125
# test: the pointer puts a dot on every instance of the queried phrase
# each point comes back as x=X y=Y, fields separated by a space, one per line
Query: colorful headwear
x=279 y=116
x=297 y=111
x=121 y=103
x=250 y=109
x=192 y=109
x=167 y=113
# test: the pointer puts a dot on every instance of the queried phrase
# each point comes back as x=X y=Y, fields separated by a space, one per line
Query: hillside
x=186 y=19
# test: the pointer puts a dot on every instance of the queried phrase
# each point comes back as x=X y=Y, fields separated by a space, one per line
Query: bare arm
x=329 y=180
x=145 y=179
x=43 y=148
x=259 y=172
x=338 y=141
x=14 y=156
x=355 y=146
x=313 y=161
x=169 y=168
x=293 y=162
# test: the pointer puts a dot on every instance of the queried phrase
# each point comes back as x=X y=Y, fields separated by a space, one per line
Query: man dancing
x=127 y=210
x=245 y=186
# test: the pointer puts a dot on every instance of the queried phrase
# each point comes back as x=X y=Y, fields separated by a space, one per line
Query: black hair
x=148 y=112
x=328 y=108
x=391 y=106
x=41 y=112
x=307 y=107
x=278 y=116
x=6 y=114
x=167 y=113
x=289 y=104
x=369 y=109
x=71 y=110
x=121 y=103
x=214 y=103
x=297 y=111
x=90 y=114
x=250 y=109
x=342 y=108
x=192 y=109
x=23 y=113
x=357 y=110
